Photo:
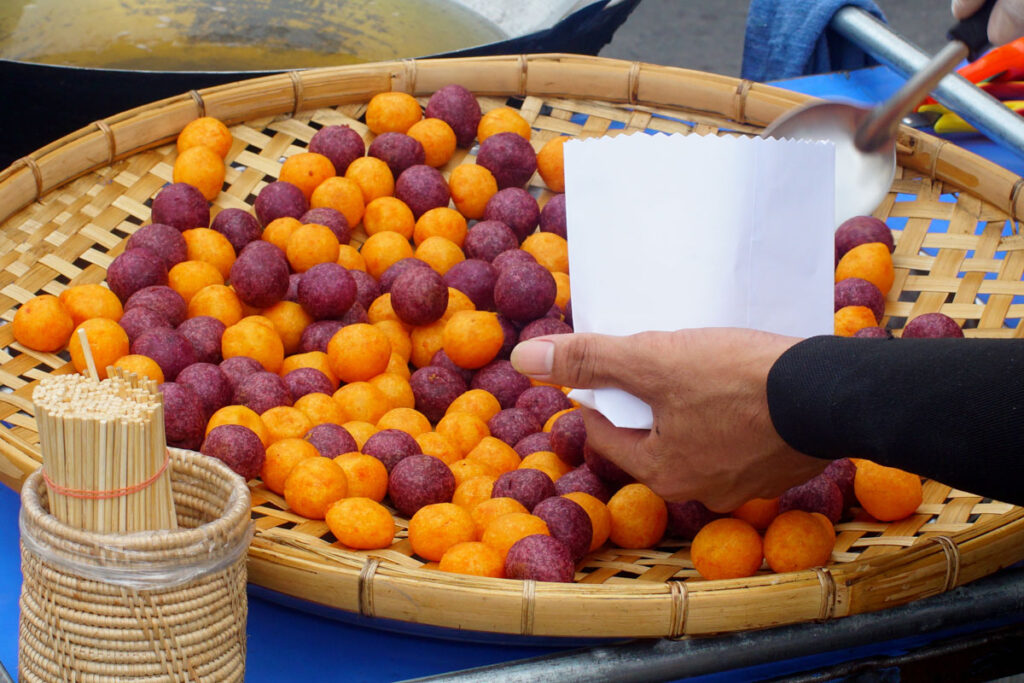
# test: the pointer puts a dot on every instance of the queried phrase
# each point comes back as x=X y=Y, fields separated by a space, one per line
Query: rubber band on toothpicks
x=89 y=494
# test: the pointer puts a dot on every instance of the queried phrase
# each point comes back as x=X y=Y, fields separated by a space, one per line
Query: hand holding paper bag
x=676 y=232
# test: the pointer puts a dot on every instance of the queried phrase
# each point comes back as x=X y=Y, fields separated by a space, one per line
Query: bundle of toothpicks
x=105 y=458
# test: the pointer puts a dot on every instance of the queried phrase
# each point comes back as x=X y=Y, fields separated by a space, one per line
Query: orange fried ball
x=550 y=250
x=256 y=340
x=464 y=430
x=202 y=168
x=473 y=491
x=43 y=324
x=388 y=213
x=472 y=186
x=142 y=366
x=341 y=194
x=392 y=112
x=306 y=170
x=408 y=420
x=362 y=402
x=367 y=476
x=870 y=261
x=479 y=402
x=282 y=456
x=795 y=540
x=496 y=454
x=551 y=163
x=849 y=319
x=279 y=230
x=437 y=138
x=211 y=246
x=432 y=443
x=358 y=352
x=472 y=339
x=313 y=485
x=463 y=470
x=243 y=416
x=758 y=512
x=208 y=132
x=435 y=528
x=91 y=301
x=639 y=517
x=189 y=277
x=474 y=558
x=502 y=533
x=440 y=253
x=600 y=518
x=373 y=176
x=887 y=493
x=107 y=341
x=216 y=301
x=285 y=422
x=309 y=245
x=361 y=523
x=441 y=221
x=502 y=120
x=726 y=548
x=487 y=511
x=383 y=249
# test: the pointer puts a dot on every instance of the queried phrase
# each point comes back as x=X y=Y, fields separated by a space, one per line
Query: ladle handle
x=879 y=126
x=973 y=31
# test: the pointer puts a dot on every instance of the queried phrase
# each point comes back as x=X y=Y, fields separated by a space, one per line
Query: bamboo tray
x=67 y=209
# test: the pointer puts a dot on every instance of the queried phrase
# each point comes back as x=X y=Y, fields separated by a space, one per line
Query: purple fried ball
x=605 y=468
x=397 y=150
x=475 y=278
x=568 y=522
x=584 y=480
x=528 y=486
x=260 y=275
x=820 y=494
x=842 y=472
x=204 y=332
x=541 y=327
x=441 y=359
x=355 y=314
x=164 y=241
x=391 y=446
x=331 y=218
x=133 y=270
x=302 y=381
x=509 y=157
x=184 y=419
x=420 y=480
x=341 y=144
x=237 y=447
x=422 y=188
x=524 y=292
x=568 y=434
x=932 y=326
x=237 y=368
x=512 y=425
x=327 y=291
x=686 y=519
x=162 y=299
x=516 y=208
x=512 y=257
x=502 y=380
x=533 y=443
x=317 y=335
x=293 y=288
x=210 y=384
x=277 y=200
x=861 y=230
x=457 y=107
x=141 y=320
x=873 y=332
x=853 y=291
x=552 y=216
x=542 y=402
x=171 y=350
x=540 y=558
x=486 y=239
x=262 y=391
x=399 y=267
x=419 y=296
x=239 y=226
x=331 y=440
x=180 y=206
x=511 y=333
x=367 y=288
x=434 y=388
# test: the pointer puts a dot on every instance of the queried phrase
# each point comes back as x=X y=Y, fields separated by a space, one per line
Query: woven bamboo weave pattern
x=958 y=251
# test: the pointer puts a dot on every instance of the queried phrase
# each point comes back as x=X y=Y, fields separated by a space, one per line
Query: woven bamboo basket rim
x=954 y=538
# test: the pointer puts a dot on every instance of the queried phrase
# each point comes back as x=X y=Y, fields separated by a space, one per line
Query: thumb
x=583 y=361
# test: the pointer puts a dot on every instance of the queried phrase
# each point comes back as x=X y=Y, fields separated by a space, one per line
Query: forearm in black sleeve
x=948 y=409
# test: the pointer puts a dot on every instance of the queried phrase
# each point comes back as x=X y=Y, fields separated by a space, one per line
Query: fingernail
x=534 y=357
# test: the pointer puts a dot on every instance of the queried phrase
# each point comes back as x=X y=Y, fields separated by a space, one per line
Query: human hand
x=712 y=438
x=1006 y=23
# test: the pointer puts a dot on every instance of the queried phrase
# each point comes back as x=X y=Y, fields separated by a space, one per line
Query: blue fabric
x=788 y=38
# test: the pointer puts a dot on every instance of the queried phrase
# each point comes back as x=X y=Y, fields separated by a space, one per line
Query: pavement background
x=708 y=35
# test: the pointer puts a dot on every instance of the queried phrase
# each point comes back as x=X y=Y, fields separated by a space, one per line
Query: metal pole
x=984 y=112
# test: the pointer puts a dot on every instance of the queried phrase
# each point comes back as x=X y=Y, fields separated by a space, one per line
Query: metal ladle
x=865 y=139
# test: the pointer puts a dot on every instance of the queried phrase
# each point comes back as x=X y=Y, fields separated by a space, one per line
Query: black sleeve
x=948 y=409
